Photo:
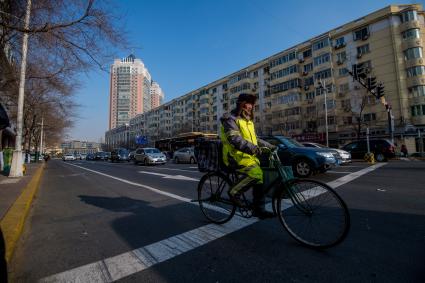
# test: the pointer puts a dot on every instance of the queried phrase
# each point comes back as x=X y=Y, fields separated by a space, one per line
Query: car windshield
x=152 y=150
x=289 y=142
x=123 y=151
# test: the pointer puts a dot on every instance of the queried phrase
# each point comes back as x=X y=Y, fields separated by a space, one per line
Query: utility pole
x=17 y=162
x=41 y=136
x=323 y=86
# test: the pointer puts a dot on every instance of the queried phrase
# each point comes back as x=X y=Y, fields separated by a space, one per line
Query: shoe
x=262 y=213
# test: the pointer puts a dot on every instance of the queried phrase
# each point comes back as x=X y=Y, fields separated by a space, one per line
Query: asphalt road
x=92 y=220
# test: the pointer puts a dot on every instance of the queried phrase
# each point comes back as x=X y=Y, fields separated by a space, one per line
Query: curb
x=12 y=223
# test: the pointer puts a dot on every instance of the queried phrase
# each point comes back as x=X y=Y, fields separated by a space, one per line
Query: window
x=285 y=99
x=412 y=53
x=310 y=95
x=307 y=53
x=369 y=117
x=418 y=110
x=293 y=111
x=343 y=88
x=284 y=72
x=343 y=72
x=320 y=44
x=283 y=59
x=309 y=81
x=308 y=67
x=339 y=42
x=416 y=71
x=286 y=85
x=411 y=34
x=341 y=57
x=322 y=59
x=330 y=103
x=323 y=74
x=362 y=33
x=363 y=49
x=409 y=16
x=418 y=90
x=311 y=109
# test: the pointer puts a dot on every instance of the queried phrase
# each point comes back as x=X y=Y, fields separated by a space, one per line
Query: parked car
x=382 y=149
x=90 y=156
x=68 y=157
x=101 y=155
x=304 y=160
x=83 y=156
x=149 y=156
x=131 y=155
x=344 y=156
x=107 y=155
x=185 y=154
x=119 y=154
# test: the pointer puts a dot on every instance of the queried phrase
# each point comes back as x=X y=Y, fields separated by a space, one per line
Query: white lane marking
x=10 y=181
x=350 y=177
x=137 y=185
x=338 y=172
x=184 y=170
x=120 y=266
x=193 y=167
x=123 y=265
x=175 y=177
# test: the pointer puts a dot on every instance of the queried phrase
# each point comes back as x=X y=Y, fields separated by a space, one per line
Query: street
x=102 y=221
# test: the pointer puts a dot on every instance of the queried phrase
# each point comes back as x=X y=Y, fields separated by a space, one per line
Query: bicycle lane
x=147 y=257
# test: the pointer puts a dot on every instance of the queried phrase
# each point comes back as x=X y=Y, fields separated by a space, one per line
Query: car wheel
x=302 y=168
x=380 y=157
x=176 y=160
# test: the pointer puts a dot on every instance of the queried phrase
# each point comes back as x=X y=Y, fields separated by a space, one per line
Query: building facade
x=157 y=96
x=389 y=43
x=80 y=147
x=129 y=90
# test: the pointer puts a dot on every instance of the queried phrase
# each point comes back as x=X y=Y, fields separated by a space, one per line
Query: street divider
x=12 y=223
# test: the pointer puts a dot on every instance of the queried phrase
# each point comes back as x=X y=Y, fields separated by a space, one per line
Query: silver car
x=185 y=154
x=149 y=156
x=344 y=156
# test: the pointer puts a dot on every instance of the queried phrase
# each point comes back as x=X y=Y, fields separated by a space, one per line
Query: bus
x=182 y=140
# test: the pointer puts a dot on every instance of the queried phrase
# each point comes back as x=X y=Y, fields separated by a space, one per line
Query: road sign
x=141 y=140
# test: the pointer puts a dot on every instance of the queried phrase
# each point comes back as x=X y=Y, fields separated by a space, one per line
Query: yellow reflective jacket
x=239 y=141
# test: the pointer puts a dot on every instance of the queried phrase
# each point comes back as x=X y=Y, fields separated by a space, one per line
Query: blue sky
x=187 y=44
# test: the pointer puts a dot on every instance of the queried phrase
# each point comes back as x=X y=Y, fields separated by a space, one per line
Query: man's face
x=247 y=107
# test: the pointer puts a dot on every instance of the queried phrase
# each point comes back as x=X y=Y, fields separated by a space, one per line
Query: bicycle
x=307 y=209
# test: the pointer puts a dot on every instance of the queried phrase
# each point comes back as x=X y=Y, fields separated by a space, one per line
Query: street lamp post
x=323 y=86
x=16 y=167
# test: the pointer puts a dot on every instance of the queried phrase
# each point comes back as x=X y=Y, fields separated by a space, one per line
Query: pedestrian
x=404 y=150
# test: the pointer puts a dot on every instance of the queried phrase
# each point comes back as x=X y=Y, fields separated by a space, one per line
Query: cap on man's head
x=246 y=97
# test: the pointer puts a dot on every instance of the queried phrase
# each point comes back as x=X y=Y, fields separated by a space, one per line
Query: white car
x=68 y=157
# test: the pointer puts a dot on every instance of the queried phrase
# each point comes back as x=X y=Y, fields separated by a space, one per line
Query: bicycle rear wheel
x=314 y=214
x=213 y=199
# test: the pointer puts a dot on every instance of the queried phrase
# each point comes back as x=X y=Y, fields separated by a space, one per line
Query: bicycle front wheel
x=213 y=199
x=313 y=213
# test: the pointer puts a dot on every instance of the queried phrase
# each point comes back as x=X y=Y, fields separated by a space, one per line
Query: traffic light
x=379 y=91
x=371 y=83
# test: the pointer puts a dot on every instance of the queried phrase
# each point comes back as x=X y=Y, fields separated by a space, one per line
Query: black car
x=304 y=160
x=382 y=149
x=101 y=155
x=90 y=156
x=120 y=154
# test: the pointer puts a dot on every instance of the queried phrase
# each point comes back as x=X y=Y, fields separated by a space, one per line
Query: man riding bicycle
x=240 y=148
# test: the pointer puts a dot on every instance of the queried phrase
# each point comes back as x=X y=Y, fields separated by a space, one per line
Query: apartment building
x=388 y=42
x=79 y=147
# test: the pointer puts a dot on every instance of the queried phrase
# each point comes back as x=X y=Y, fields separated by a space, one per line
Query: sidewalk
x=16 y=195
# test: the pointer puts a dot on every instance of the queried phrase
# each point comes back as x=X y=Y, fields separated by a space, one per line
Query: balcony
x=418 y=120
x=413 y=42
x=414 y=62
x=417 y=80
x=409 y=25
